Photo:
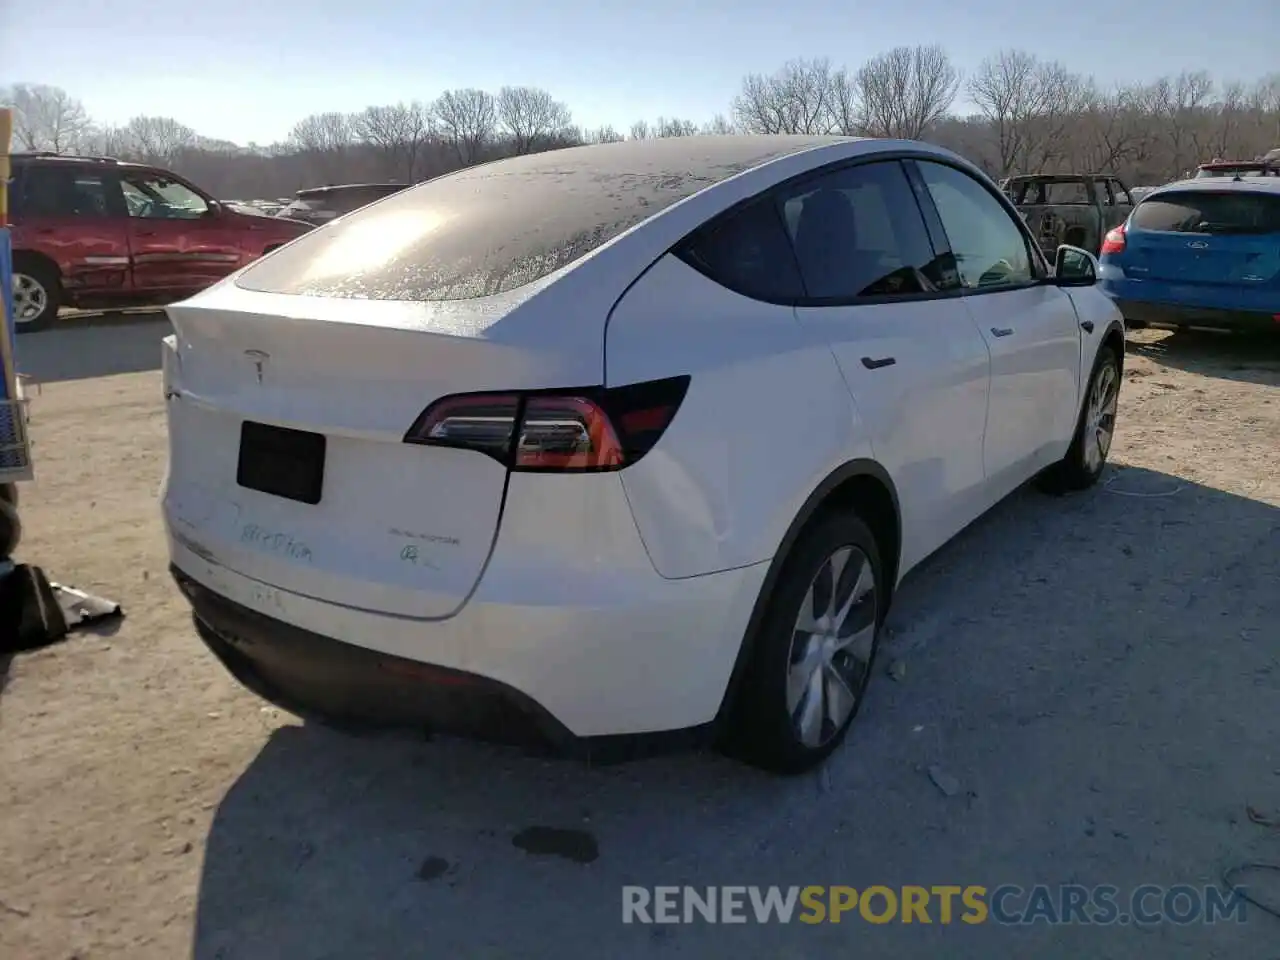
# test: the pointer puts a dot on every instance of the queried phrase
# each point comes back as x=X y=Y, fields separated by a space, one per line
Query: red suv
x=98 y=233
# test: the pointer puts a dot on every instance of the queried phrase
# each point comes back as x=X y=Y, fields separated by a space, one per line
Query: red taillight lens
x=1113 y=242
x=591 y=429
x=566 y=433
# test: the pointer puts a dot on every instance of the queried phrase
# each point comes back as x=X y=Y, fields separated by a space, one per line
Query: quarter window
x=858 y=232
x=748 y=252
x=990 y=250
x=59 y=191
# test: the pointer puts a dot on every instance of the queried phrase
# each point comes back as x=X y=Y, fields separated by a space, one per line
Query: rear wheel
x=812 y=659
x=36 y=294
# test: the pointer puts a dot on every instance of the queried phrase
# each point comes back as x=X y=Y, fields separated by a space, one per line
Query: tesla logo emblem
x=259 y=360
x=1198 y=245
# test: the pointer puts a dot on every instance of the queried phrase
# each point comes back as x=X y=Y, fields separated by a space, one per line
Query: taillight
x=590 y=429
x=1113 y=242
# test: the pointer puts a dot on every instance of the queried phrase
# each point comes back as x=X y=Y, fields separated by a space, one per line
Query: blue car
x=1198 y=253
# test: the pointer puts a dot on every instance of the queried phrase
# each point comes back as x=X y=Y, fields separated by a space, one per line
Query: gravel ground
x=1094 y=678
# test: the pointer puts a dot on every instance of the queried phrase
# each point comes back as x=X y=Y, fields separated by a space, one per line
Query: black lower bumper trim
x=318 y=677
x=1142 y=312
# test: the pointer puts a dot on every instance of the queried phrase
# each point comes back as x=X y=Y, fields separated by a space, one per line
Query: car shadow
x=1083 y=693
x=93 y=345
x=1249 y=357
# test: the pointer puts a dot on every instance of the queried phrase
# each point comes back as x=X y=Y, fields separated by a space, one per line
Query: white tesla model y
x=602 y=447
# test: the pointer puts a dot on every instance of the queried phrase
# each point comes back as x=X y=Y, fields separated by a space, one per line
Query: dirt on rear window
x=489 y=229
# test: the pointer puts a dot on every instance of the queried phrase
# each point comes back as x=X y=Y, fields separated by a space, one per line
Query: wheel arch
x=1114 y=338
x=862 y=485
x=36 y=257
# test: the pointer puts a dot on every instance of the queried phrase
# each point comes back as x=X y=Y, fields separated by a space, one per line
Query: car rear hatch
x=1214 y=246
x=287 y=455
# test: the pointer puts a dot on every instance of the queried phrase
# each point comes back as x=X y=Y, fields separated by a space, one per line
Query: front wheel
x=812 y=658
x=1087 y=455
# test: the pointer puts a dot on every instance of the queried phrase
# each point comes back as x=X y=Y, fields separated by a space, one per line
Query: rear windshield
x=489 y=229
x=1205 y=212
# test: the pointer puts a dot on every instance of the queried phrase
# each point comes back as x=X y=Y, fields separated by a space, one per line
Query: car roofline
x=1219 y=184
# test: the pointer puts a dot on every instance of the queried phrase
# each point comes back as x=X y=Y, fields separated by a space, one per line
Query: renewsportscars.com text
x=1007 y=904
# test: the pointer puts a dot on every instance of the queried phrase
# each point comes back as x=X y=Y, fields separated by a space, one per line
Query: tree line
x=1027 y=115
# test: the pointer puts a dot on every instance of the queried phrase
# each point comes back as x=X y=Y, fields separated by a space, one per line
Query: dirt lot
x=1098 y=673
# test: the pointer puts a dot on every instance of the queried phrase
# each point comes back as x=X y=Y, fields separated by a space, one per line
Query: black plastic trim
x=812 y=505
x=318 y=677
x=1179 y=315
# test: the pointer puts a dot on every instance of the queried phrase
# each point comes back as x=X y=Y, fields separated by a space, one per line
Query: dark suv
x=96 y=232
x=319 y=205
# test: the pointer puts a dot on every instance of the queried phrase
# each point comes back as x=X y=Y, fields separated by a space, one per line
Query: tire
x=37 y=294
x=1087 y=456
x=10 y=525
x=767 y=724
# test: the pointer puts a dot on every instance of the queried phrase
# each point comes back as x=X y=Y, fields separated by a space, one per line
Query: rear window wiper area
x=1228 y=229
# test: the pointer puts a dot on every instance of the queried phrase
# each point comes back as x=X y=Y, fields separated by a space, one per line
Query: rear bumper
x=315 y=676
x=604 y=647
x=1177 y=315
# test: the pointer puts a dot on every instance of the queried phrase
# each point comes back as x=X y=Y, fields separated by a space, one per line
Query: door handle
x=1001 y=331
x=871 y=364
x=146 y=233
x=1086 y=326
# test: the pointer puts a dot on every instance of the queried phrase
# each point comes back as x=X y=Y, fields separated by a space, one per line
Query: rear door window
x=1204 y=211
x=858 y=233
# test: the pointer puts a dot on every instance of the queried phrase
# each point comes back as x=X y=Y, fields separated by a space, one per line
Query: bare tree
x=795 y=99
x=1176 y=104
x=45 y=117
x=605 y=134
x=843 y=105
x=1032 y=116
x=674 y=127
x=1028 y=104
x=904 y=92
x=531 y=116
x=156 y=139
x=1115 y=129
x=719 y=125
x=397 y=132
x=323 y=140
x=323 y=131
x=1223 y=135
x=1264 y=105
x=467 y=118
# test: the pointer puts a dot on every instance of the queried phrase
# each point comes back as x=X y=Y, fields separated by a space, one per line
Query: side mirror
x=215 y=209
x=1074 y=267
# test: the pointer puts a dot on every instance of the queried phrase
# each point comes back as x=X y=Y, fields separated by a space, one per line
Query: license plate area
x=281 y=461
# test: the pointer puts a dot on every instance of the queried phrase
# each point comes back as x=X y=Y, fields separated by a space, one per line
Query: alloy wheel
x=831 y=646
x=1100 y=423
x=30 y=298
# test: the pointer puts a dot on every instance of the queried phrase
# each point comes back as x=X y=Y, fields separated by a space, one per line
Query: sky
x=246 y=70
